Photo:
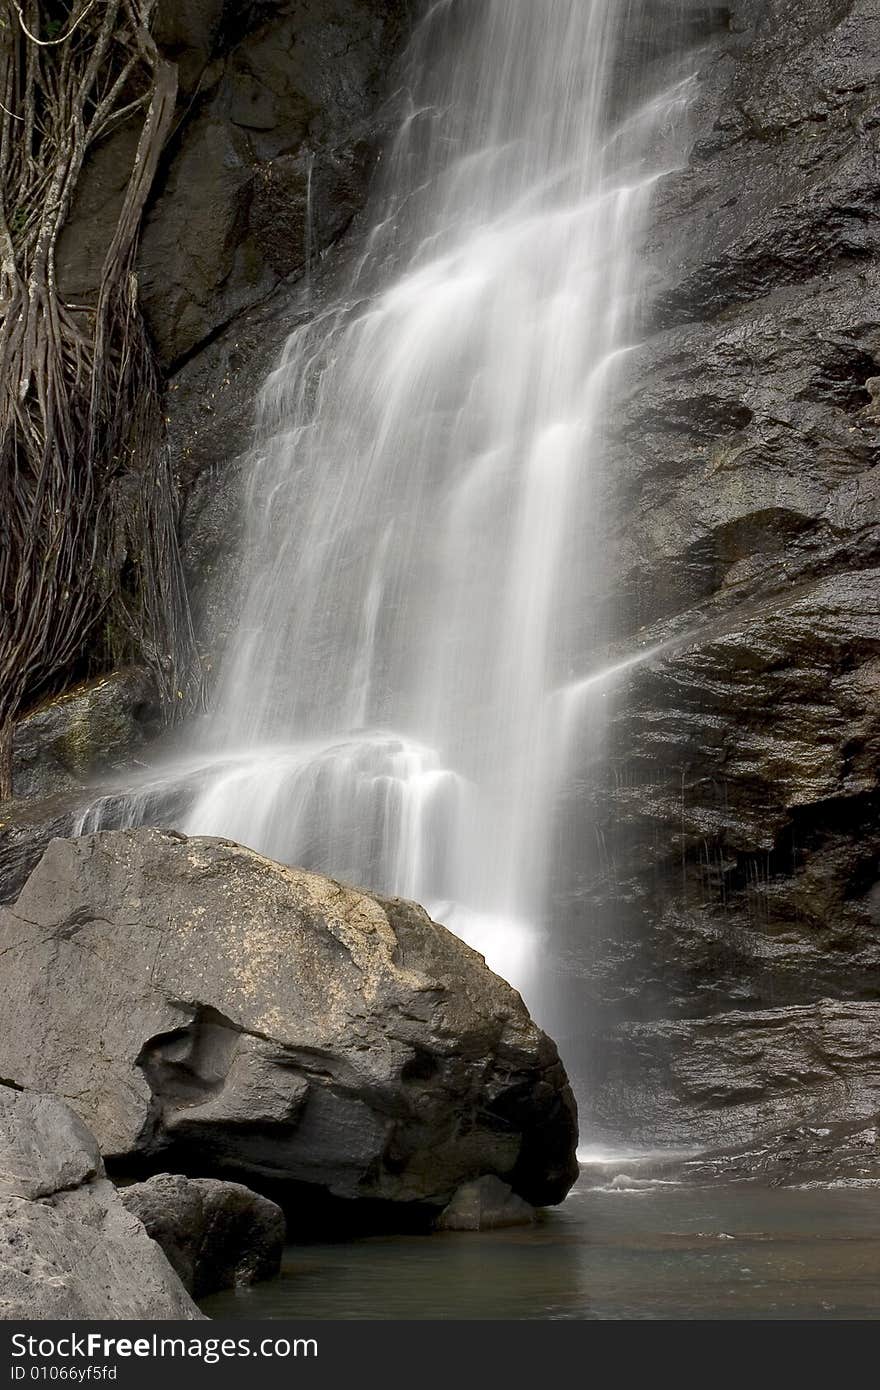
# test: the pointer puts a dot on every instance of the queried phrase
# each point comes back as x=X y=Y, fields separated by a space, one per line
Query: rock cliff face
x=728 y=934
x=282 y=106
x=290 y=100
x=269 y=162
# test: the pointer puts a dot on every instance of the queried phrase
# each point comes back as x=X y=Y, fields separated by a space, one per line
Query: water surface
x=660 y=1252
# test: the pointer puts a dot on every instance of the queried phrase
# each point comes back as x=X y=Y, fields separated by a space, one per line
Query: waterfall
x=423 y=510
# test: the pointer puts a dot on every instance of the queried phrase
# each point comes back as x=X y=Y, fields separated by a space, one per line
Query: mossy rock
x=95 y=726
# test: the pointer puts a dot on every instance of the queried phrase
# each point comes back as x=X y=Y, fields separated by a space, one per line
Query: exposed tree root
x=87 y=500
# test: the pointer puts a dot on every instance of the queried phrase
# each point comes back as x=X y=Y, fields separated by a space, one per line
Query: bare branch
x=51 y=43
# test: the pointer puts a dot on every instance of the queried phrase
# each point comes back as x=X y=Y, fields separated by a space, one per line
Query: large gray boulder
x=68 y=1247
x=195 y=1000
x=217 y=1235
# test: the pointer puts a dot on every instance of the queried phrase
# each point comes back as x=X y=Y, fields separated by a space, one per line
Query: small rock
x=26 y=827
x=872 y=409
x=217 y=1235
x=485 y=1205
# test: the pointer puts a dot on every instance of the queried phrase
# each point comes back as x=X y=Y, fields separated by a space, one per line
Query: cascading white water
x=422 y=517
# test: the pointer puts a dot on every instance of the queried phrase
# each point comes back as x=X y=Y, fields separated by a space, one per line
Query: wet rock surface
x=485 y=1205
x=100 y=724
x=276 y=136
x=216 y=1235
x=731 y=1076
x=729 y=888
x=273 y=165
x=68 y=1247
x=282 y=108
x=274 y=157
x=204 y=1008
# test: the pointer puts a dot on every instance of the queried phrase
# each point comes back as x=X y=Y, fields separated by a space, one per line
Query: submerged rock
x=485 y=1205
x=68 y=1247
x=216 y=1235
x=26 y=828
x=198 y=1002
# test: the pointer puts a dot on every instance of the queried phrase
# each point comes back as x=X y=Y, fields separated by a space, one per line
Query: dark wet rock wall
x=725 y=924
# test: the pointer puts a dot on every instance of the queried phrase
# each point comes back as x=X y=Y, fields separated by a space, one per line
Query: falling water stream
x=397 y=706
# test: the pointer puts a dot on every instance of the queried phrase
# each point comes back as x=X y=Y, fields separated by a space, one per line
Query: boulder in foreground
x=203 y=1007
x=69 y=1250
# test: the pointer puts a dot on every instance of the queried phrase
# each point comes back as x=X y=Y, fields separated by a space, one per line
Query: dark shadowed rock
x=198 y=1003
x=217 y=1235
x=267 y=92
x=272 y=164
x=487 y=1204
x=272 y=160
x=69 y=1250
x=736 y=1076
x=727 y=822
